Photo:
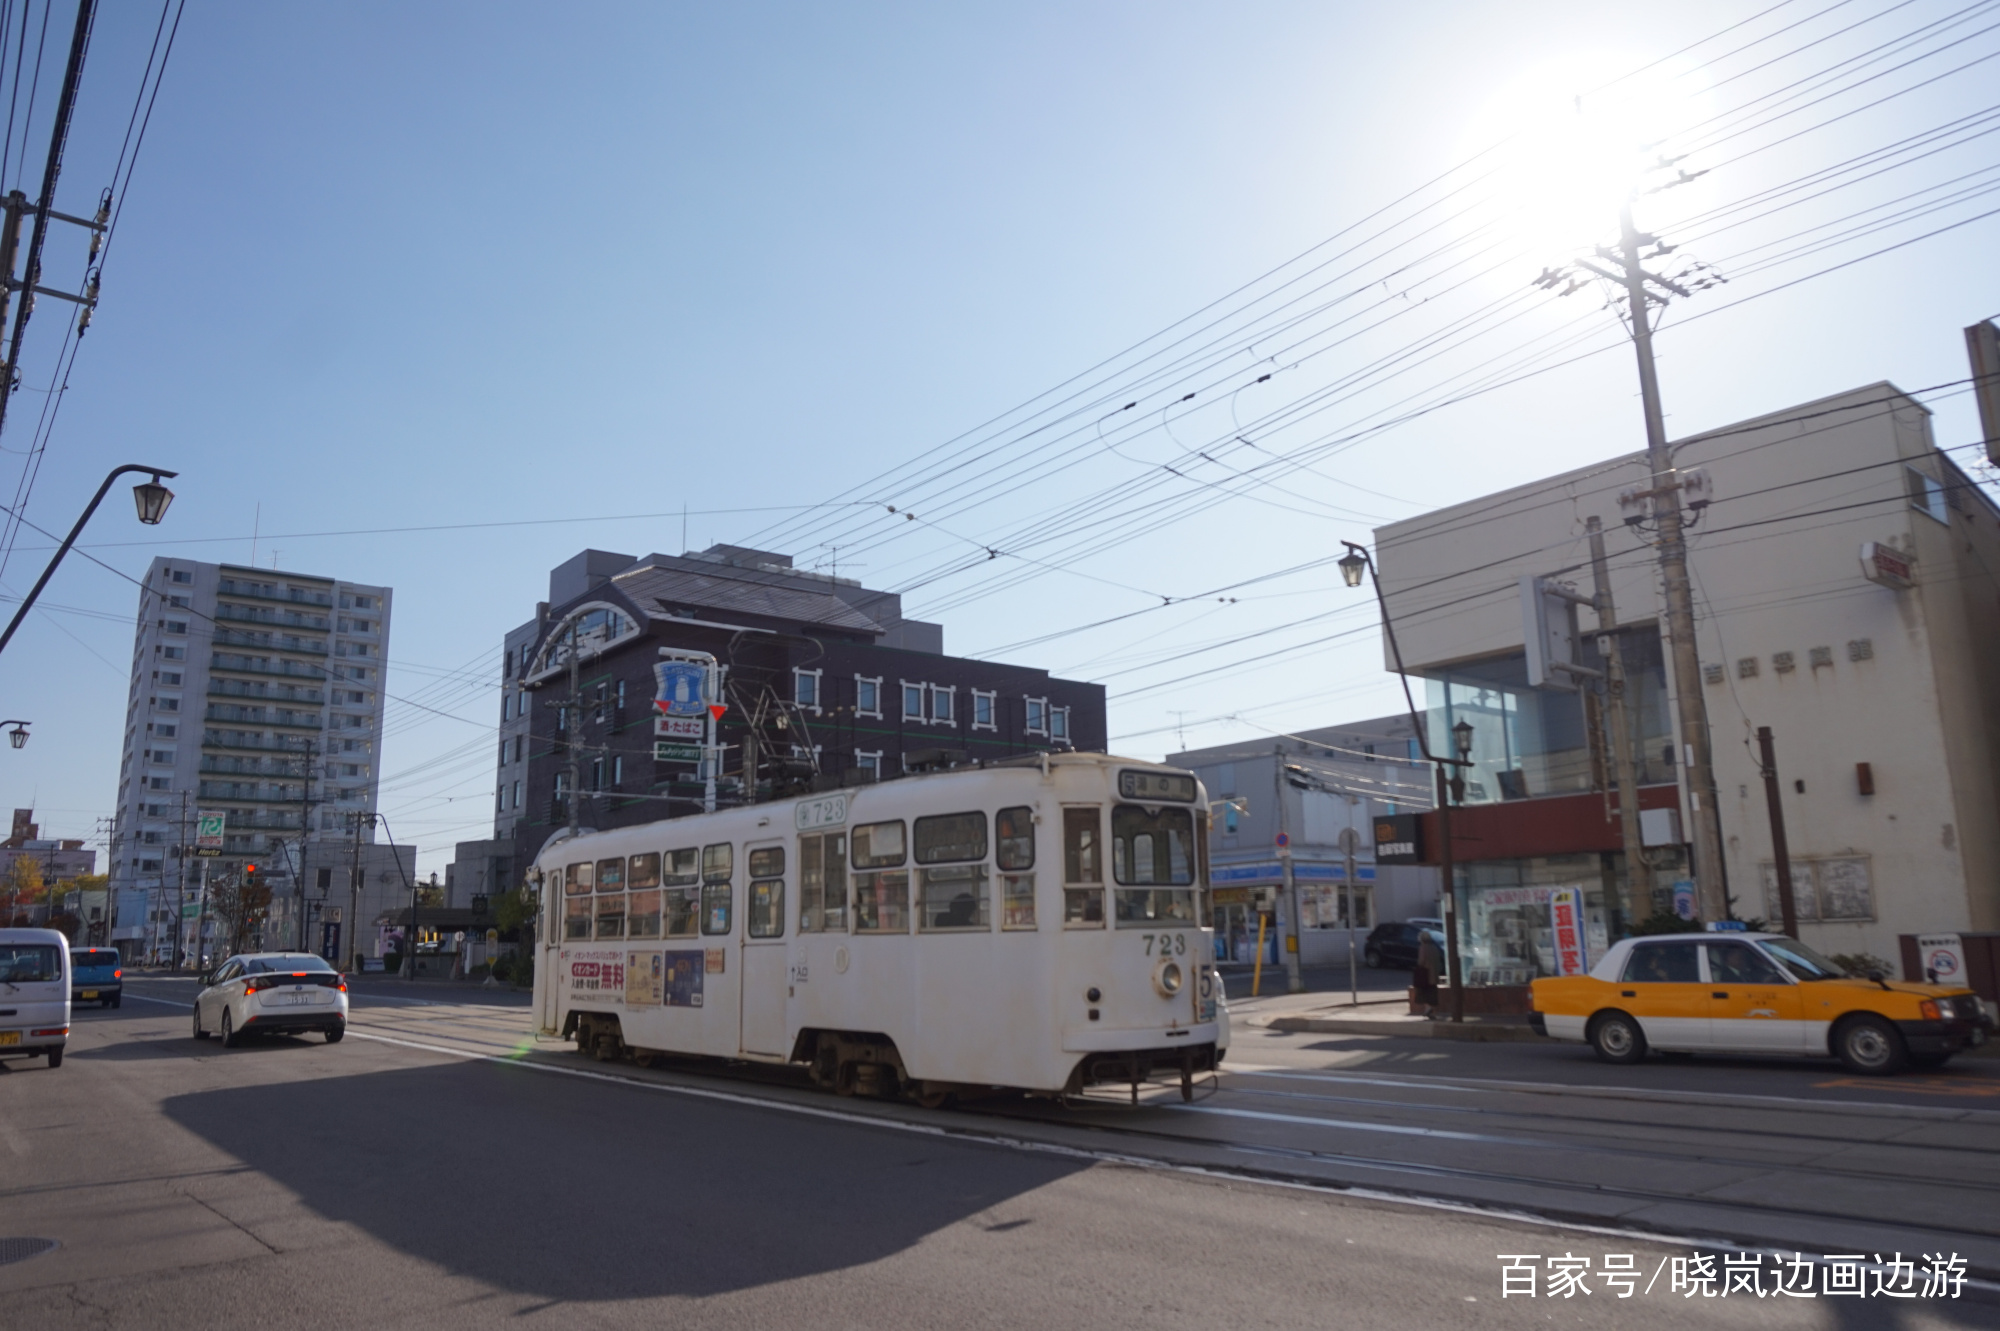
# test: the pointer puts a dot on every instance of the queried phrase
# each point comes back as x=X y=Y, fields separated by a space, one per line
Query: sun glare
x=1569 y=149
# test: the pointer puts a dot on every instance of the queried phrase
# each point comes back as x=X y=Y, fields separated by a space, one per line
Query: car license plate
x=296 y=999
x=90 y=993
x=10 y=1037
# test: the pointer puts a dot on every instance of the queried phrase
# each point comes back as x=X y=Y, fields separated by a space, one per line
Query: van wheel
x=1372 y=958
x=118 y=1001
x=1617 y=1038
x=1870 y=1046
x=55 y=1057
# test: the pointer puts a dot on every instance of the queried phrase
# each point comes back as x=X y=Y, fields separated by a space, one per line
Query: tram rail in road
x=1834 y=1165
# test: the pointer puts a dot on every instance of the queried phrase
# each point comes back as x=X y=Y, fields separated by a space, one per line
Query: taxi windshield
x=1802 y=961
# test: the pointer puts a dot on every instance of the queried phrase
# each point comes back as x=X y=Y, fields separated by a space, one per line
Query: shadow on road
x=575 y=1192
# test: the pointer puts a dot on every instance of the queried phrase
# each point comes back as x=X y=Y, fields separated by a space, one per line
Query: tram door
x=766 y=954
x=548 y=932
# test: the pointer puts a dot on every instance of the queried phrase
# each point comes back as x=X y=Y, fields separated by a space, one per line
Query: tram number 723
x=1168 y=945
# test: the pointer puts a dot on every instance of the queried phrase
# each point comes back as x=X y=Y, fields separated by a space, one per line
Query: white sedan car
x=287 y=992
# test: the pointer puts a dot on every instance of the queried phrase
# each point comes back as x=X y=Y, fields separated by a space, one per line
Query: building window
x=944 y=704
x=1059 y=723
x=168 y=676
x=1038 y=716
x=868 y=697
x=167 y=704
x=597 y=773
x=160 y=783
x=984 y=709
x=869 y=761
x=1926 y=495
x=621 y=695
x=164 y=730
x=805 y=688
x=174 y=625
x=617 y=770
x=179 y=602
x=913 y=702
x=172 y=653
x=181 y=575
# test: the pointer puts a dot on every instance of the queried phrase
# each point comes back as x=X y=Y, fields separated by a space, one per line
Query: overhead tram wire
x=752 y=538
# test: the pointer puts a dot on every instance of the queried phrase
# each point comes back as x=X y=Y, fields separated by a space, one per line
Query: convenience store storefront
x=1244 y=890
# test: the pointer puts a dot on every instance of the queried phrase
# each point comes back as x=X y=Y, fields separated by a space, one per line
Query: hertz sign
x=1399 y=839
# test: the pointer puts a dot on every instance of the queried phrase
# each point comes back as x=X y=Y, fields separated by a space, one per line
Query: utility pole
x=180 y=896
x=1295 y=982
x=1662 y=496
x=1781 y=851
x=575 y=737
x=30 y=281
x=309 y=756
x=1618 y=725
x=353 y=928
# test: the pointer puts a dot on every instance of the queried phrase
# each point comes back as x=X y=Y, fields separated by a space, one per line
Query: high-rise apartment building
x=255 y=692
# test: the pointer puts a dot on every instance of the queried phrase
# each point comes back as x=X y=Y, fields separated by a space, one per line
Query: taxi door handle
x=1720 y=993
x=1628 y=993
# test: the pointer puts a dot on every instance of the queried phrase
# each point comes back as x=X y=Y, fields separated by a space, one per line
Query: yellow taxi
x=1755 y=993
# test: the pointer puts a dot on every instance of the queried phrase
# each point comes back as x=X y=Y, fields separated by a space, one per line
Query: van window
x=29 y=963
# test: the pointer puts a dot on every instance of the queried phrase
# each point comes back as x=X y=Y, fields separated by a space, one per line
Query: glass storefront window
x=1505 y=929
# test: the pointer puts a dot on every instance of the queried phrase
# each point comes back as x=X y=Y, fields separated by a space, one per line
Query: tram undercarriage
x=868 y=1064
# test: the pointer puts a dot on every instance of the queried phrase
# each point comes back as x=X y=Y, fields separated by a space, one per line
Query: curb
x=1419 y=1030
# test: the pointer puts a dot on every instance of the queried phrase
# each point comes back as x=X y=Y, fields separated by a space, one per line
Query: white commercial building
x=1847 y=589
x=257 y=693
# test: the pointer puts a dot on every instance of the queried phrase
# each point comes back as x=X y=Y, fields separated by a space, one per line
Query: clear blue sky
x=396 y=266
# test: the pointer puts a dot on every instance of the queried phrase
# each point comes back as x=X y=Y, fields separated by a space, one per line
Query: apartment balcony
x=239 y=688
x=263 y=716
x=250 y=614
x=233 y=587
x=278 y=642
x=261 y=665
x=255 y=792
x=267 y=820
x=225 y=739
x=212 y=765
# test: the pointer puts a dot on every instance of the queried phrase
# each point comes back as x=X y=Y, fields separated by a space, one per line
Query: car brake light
x=1929 y=1010
x=118 y=975
x=343 y=986
x=51 y=1030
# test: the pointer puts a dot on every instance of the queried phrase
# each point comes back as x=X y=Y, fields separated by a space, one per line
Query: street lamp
x=1352 y=565
x=18 y=736
x=152 y=499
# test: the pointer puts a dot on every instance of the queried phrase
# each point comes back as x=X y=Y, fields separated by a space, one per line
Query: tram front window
x=1152 y=860
x=1083 y=868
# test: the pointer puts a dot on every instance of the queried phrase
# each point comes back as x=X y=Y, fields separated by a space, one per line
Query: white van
x=34 y=994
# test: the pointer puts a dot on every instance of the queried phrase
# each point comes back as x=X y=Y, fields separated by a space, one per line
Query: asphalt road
x=439 y=1169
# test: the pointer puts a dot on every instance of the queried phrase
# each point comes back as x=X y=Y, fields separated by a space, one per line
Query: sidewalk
x=1380 y=1013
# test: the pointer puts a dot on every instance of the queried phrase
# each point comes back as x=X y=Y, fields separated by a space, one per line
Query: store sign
x=1399 y=839
x=1941 y=958
x=1886 y=566
x=210 y=826
x=666 y=752
x=680 y=727
x=683 y=688
x=1566 y=926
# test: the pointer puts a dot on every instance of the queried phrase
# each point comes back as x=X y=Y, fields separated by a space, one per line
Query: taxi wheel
x=1617 y=1038
x=1869 y=1045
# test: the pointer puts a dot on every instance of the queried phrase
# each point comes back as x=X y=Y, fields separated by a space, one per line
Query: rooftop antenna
x=255 y=521
x=1180 y=727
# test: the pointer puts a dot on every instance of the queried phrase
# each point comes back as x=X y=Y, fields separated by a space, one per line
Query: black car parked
x=1394 y=944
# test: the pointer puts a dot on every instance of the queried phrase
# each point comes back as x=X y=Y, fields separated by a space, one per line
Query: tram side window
x=1153 y=846
x=823 y=883
x=718 y=862
x=1014 y=855
x=881 y=889
x=577 y=879
x=610 y=905
x=767 y=892
x=642 y=900
x=1083 y=868
x=680 y=893
x=952 y=884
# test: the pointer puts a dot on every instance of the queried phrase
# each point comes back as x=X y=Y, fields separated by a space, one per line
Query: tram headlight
x=1167 y=978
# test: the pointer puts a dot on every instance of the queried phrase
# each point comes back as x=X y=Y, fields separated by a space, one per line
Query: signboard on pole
x=1941 y=957
x=1566 y=929
x=210 y=828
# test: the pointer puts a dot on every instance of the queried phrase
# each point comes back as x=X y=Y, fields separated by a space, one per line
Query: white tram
x=1037 y=924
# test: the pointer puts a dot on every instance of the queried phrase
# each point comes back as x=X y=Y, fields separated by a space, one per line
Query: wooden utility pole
x=1618 y=728
x=1781 y=851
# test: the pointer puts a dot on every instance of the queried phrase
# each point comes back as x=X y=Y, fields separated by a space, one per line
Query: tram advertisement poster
x=682 y=974
x=644 y=979
x=597 y=975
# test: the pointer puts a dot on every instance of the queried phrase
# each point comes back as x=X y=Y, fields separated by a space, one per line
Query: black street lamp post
x=1449 y=790
x=152 y=499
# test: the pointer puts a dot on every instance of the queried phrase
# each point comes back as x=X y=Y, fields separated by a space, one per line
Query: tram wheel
x=845 y=1077
x=927 y=1098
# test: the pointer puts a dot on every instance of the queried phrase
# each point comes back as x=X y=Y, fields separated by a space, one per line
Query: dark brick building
x=826 y=683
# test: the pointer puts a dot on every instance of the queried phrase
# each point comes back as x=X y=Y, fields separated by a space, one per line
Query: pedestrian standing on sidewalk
x=1430 y=964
